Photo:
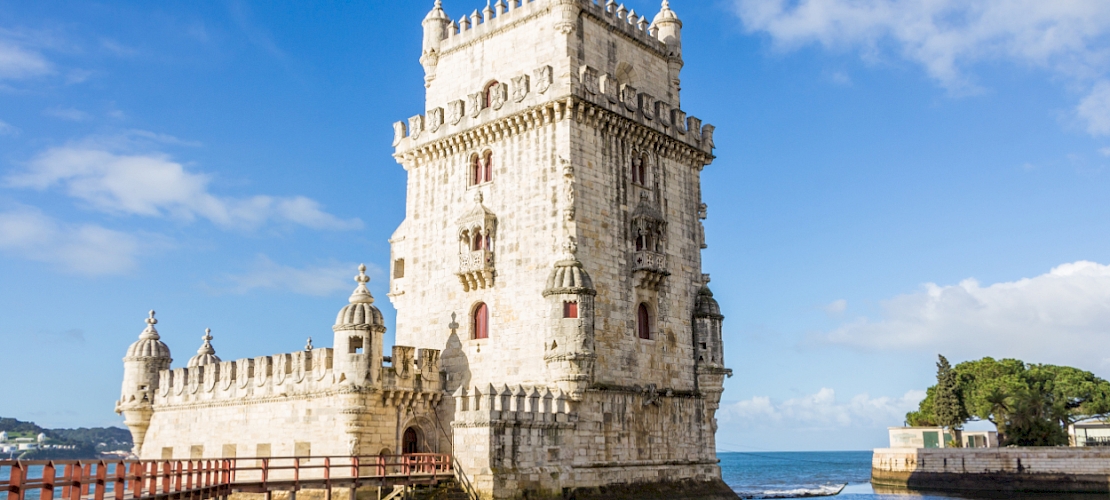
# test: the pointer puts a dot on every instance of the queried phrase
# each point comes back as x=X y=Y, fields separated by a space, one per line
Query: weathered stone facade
x=549 y=265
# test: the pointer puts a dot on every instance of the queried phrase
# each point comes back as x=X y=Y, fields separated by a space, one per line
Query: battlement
x=302 y=373
x=519 y=404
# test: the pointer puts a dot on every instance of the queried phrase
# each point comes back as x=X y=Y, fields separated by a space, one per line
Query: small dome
x=706 y=306
x=206 y=355
x=149 y=344
x=568 y=277
x=437 y=12
x=361 y=312
x=666 y=15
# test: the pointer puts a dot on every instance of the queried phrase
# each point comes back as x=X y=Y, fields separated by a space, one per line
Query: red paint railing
x=205 y=479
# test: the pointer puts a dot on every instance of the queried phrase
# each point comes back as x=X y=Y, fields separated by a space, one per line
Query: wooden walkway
x=215 y=478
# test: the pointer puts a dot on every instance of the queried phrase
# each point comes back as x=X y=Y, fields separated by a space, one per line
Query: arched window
x=481 y=322
x=475 y=169
x=488 y=94
x=643 y=321
x=640 y=243
x=479 y=243
x=487 y=166
x=410 y=442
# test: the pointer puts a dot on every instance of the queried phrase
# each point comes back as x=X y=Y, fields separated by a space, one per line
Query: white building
x=1089 y=433
x=940 y=437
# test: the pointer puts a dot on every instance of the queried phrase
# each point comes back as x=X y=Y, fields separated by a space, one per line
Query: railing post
x=101 y=480
x=74 y=488
x=49 y=475
x=15 y=482
x=327 y=478
x=120 y=485
x=86 y=479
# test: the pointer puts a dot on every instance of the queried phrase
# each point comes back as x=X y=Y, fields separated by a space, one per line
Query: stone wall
x=993 y=469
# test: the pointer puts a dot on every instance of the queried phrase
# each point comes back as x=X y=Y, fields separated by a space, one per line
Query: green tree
x=948 y=406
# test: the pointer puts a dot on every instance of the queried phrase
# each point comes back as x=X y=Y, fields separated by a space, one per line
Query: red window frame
x=570 y=309
x=481 y=322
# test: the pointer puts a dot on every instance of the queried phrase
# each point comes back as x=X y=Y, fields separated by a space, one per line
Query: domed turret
x=706 y=306
x=361 y=310
x=435 y=30
x=358 y=336
x=206 y=355
x=145 y=358
x=568 y=277
x=668 y=29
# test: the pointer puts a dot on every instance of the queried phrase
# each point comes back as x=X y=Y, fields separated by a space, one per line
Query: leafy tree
x=948 y=406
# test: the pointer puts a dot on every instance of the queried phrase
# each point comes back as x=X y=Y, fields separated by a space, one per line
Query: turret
x=358 y=337
x=435 y=30
x=145 y=358
x=206 y=355
x=569 y=343
x=668 y=29
x=709 y=348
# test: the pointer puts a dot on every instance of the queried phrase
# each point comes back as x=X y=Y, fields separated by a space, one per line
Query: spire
x=206 y=348
x=361 y=294
x=150 y=333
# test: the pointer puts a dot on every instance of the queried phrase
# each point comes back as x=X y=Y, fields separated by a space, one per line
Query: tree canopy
x=1031 y=404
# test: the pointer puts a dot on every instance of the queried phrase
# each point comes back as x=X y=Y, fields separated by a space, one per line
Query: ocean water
x=804 y=474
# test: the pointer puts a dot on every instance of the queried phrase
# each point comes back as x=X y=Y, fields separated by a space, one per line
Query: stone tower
x=552 y=249
x=145 y=358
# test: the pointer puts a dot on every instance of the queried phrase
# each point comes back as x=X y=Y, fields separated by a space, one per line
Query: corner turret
x=145 y=358
x=668 y=29
x=358 y=337
x=435 y=30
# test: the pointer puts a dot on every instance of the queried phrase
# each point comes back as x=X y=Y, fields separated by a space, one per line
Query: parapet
x=517 y=405
x=283 y=374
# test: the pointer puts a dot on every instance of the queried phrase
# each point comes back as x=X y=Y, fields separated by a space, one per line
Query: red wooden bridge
x=217 y=478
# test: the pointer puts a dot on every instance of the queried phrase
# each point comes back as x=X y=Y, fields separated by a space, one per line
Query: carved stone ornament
x=475 y=104
x=678 y=118
x=707 y=137
x=693 y=125
x=663 y=112
x=629 y=96
x=498 y=95
x=588 y=77
x=455 y=111
x=399 y=133
x=544 y=79
x=520 y=88
x=435 y=119
x=416 y=125
x=647 y=106
x=610 y=88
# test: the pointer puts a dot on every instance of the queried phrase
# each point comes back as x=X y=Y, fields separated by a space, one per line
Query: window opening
x=570 y=309
x=481 y=322
x=475 y=170
x=410 y=443
x=643 y=322
x=490 y=89
x=399 y=268
x=487 y=166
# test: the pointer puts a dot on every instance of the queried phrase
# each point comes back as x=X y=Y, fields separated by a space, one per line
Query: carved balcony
x=476 y=270
x=649 y=268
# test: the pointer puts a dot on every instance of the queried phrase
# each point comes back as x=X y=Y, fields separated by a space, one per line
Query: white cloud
x=819 y=411
x=153 y=184
x=1105 y=151
x=1095 y=109
x=321 y=281
x=836 y=307
x=86 y=249
x=8 y=129
x=68 y=114
x=1060 y=317
x=18 y=63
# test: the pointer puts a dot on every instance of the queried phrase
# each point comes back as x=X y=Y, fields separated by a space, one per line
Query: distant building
x=3 y=436
x=41 y=438
x=28 y=446
x=939 y=437
x=1089 y=433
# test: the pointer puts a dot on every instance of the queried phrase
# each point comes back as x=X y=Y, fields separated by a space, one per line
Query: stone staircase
x=445 y=490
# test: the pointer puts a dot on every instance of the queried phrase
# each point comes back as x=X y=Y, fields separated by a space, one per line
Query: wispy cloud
x=1095 y=109
x=1062 y=316
x=7 y=129
x=1104 y=151
x=67 y=114
x=836 y=307
x=947 y=37
x=319 y=280
x=18 y=62
x=108 y=176
x=819 y=411
x=83 y=248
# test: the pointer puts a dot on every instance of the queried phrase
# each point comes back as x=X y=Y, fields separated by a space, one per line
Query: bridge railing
x=211 y=478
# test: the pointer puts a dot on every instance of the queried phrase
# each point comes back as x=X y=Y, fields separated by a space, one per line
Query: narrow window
x=477 y=244
x=475 y=170
x=481 y=322
x=636 y=169
x=487 y=167
x=570 y=309
x=643 y=170
x=354 y=345
x=399 y=268
x=640 y=243
x=643 y=322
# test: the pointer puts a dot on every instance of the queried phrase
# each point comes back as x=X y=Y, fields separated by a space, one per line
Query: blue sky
x=894 y=179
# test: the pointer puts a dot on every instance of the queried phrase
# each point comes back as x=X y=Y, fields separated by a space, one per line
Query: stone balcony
x=476 y=270
x=649 y=268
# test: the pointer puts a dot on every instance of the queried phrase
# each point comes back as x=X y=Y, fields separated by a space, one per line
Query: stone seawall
x=1077 y=470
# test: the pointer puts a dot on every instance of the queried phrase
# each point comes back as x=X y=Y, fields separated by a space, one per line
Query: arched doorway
x=410 y=442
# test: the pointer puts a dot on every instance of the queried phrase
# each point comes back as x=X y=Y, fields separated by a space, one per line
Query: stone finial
x=308 y=347
x=361 y=294
x=206 y=347
x=150 y=333
x=206 y=355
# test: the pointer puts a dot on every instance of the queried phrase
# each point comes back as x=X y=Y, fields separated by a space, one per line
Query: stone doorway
x=410 y=442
